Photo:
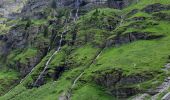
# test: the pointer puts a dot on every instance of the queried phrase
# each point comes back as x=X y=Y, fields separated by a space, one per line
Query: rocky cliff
x=9 y=7
x=88 y=49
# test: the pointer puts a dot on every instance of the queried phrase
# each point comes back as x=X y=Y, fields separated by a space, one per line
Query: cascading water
x=77 y=7
x=49 y=60
x=67 y=95
x=27 y=75
x=121 y=21
x=96 y=57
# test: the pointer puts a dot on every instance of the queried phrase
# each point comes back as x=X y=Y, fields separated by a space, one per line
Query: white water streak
x=49 y=60
x=75 y=81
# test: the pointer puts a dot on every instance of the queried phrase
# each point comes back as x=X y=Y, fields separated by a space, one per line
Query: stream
x=49 y=60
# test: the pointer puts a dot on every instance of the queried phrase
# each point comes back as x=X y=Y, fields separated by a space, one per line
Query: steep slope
x=73 y=49
x=8 y=11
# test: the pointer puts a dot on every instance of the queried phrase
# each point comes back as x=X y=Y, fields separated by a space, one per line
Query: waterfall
x=77 y=7
x=49 y=60
x=122 y=19
x=27 y=75
x=96 y=57
x=67 y=95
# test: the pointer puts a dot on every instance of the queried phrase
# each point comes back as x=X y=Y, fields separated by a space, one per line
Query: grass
x=141 y=14
x=53 y=89
x=23 y=56
x=143 y=3
x=91 y=92
x=82 y=56
x=7 y=77
x=38 y=22
x=49 y=91
x=4 y=29
x=137 y=57
x=140 y=57
x=99 y=18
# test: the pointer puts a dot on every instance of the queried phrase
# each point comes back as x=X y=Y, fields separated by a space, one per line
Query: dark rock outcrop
x=56 y=72
x=124 y=92
x=34 y=9
x=20 y=38
x=130 y=37
x=25 y=68
x=108 y=78
x=10 y=8
x=155 y=8
x=119 y=84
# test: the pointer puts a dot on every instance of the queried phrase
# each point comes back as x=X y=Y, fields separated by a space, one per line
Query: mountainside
x=84 y=50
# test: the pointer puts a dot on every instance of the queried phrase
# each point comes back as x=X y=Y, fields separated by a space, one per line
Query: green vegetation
x=6 y=78
x=91 y=92
x=24 y=56
x=142 y=49
x=143 y=3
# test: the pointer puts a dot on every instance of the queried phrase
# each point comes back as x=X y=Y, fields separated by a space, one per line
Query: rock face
x=34 y=8
x=19 y=38
x=130 y=37
x=25 y=68
x=114 y=79
x=9 y=7
x=22 y=36
x=156 y=8
x=111 y=3
x=120 y=3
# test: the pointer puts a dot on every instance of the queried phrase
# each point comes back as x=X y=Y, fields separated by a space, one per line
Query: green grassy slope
x=143 y=58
